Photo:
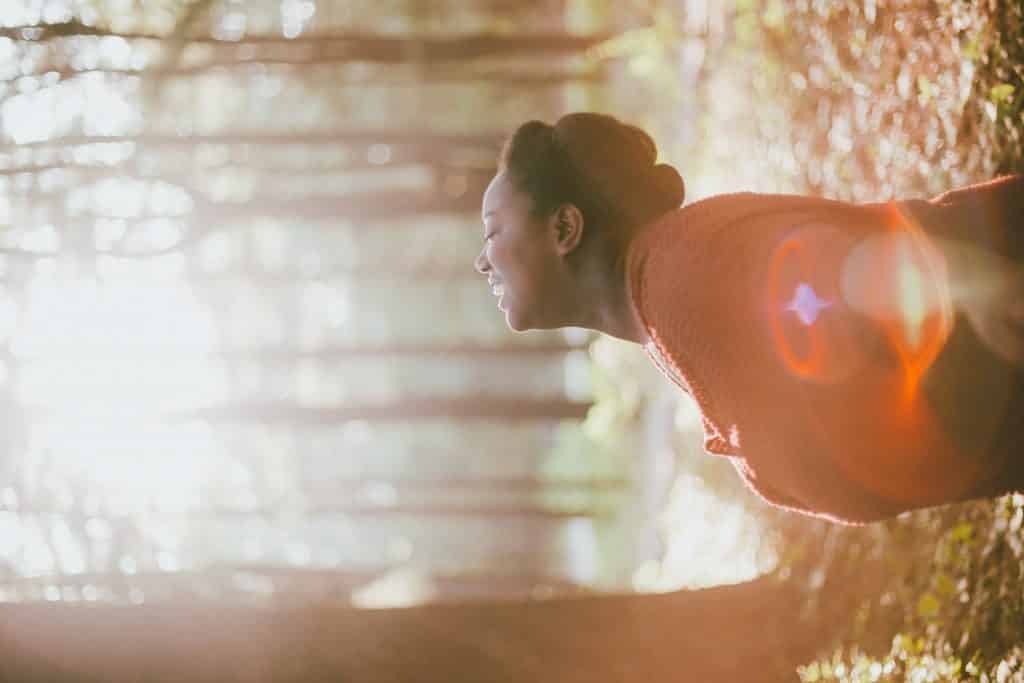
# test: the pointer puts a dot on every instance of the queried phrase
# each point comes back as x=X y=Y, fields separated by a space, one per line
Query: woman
x=853 y=361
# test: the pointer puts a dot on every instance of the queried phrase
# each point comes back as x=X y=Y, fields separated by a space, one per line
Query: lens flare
x=825 y=283
x=806 y=304
x=898 y=280
x=859 y=316
x=812 y=332
x=803 y=357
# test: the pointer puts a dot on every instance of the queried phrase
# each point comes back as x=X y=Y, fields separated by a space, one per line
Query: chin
x=519 y=322
x=516 y=323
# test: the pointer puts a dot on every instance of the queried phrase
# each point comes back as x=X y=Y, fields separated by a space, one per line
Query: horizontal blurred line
x=426 y=78
x=490 y=484
x=387 y=271
x=278 y=355
x=340 y=352
x=351 y=576
x=126 y=170
x=342 y=210
x=252 y=276
x=356 y=46
x=354 y=136
x=350 y=206
x=479 y=407
x=364 y=205
x=329 y=509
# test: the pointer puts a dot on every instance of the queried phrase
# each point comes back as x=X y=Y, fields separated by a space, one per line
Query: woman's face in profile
x=518 y=257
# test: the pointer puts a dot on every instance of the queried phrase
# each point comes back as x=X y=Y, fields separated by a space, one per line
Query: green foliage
x=998 y=93
x=955 y=602
x=885 y=98
x=1001 y=93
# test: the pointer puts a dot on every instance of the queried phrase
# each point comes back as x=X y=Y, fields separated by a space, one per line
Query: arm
x=980 y=229
x=989 y=289
x=928 y=272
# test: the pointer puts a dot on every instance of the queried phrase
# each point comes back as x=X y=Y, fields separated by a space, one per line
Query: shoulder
x=679 y=225
x=705 y=216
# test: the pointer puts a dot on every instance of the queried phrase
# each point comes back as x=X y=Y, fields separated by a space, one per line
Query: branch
x=388 y=270
x=128 y=169
x=361 y=207
x=483 y=581
x=349 y=46
x=472 y=407
x=43 y=168
x=330 y=509
x=364 y=207
x=441 y=75
x=490 y=484
x=425 y=139
x=44 y=32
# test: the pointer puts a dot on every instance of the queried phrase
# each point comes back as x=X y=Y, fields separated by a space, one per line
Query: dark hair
x=605 y=167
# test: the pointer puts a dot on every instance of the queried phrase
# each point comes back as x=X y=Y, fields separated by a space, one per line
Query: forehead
x=501 y=195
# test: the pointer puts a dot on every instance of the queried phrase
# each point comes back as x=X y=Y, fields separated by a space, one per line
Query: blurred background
x=246 y=355
x=246 y=358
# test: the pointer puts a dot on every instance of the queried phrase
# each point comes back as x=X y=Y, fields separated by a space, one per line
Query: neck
x=611 y=311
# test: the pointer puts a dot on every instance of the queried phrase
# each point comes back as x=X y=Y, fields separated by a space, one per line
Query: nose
x=481 y=264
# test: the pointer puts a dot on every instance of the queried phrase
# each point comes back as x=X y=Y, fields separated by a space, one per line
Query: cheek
x=519 y=277
x=521 y=267
x=529 y=305
x=492 y=254
x=506 y=262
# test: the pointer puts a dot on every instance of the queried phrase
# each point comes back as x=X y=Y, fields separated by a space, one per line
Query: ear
x=567 y=226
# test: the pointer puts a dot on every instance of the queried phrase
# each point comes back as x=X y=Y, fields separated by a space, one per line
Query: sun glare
x=100 y=367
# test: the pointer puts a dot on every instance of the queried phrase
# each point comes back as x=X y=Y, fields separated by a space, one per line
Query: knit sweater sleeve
x=713 y=442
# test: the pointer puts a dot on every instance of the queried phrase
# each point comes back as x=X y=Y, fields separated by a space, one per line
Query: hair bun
x=669 y=184
x=603 y=166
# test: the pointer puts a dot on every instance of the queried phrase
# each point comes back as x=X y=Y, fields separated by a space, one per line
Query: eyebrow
x=491 y=212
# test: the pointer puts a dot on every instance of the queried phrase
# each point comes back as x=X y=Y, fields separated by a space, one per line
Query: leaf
x=972 y=50
x=1001 y=93
x=944 y=585
x=962 y=532
x=927 y=606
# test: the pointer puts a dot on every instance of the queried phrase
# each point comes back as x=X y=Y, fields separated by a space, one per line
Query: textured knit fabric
x=850 y=445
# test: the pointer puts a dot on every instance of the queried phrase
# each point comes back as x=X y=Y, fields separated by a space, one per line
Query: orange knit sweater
x=844 y=439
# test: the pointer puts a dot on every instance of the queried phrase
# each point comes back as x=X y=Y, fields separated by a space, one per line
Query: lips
x=498 y=290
